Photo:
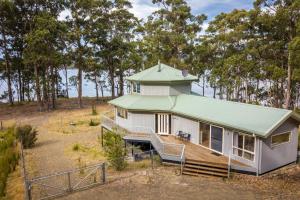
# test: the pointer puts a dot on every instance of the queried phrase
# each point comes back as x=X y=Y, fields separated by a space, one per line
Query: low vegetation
x=114 y=148
x=8 y=156
x=27 y=135
x=94 y=123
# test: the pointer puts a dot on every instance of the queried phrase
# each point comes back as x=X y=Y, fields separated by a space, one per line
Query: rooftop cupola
x=162 y=73
x=161 y=80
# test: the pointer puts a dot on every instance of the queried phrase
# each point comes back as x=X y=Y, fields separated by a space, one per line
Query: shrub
x=114 y=150
x=93 y=123
x=26 y=135
x=94 y=110
x=76 y=147
x=8 y=156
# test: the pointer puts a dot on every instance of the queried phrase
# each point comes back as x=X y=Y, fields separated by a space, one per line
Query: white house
x=259 y=138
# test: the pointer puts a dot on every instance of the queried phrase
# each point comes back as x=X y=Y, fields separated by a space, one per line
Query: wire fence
x=61 y=183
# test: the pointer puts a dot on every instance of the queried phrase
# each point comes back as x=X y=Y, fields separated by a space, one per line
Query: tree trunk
x=288 y=95
x=38 y=88
x=67 y=84
x=96 y=87
x=112 y=83
x=46 y=88
x=121 y=84
x=53 y=81
x=79 y=77
x=20 y=85
x=215 y=89
x=8 y=71
x=203 y=84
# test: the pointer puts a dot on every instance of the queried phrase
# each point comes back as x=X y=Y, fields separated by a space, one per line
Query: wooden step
x=204 y=172
x=188 y=166
x=205 y=163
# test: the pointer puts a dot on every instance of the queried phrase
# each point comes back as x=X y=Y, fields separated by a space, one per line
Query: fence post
x=69 y=182
x=103 y=173
x=151 y=155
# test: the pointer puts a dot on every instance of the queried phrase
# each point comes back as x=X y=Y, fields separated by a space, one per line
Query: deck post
x=103 y=173
x=151 y=155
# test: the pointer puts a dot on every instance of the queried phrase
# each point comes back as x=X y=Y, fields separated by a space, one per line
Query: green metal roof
x=249 y=118
x=165 y=74
x=148 y=103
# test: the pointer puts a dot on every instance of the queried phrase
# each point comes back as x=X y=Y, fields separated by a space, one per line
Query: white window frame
x=274 y=145
x=209 y=145
x=243 y=149
x=124 y=112
x=134 y=86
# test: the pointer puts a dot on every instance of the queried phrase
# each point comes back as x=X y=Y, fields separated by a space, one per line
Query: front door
x=216 y=138
x=162 y=123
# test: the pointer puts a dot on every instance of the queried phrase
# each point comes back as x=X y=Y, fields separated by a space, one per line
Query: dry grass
x=87 y=153
x=15 y=185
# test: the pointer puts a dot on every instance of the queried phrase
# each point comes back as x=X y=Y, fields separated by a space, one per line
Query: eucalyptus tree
x=280 y=19
x=80 y=27
x=7 y=22
x=42 y=51
x=169 y=34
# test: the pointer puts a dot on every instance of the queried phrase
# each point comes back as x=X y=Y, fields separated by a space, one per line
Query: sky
x=211 y=8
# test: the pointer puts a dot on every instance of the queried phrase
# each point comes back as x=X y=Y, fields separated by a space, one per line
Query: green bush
x=114 y=150
x=76 y=147
x=8 y=156
x=27 y=135
x=93 y=123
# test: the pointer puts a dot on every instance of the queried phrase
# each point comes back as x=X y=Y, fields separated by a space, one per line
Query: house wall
x=192 y=126
x=179 y=123
x=135 y=121
x=180 y=89
x=283 y=154
x=165 y=90
x=155 y=90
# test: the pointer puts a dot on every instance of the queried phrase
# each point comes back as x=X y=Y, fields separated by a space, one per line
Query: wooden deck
x=196 y=152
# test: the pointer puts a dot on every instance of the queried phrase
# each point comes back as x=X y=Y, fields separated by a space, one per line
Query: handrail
x=163 y=148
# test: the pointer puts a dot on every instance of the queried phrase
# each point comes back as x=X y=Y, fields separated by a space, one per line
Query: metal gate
x=62 y=183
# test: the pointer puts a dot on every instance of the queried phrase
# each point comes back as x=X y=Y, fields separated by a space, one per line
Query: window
x=122 y=113
x=280 y=138
x=136 y=87
x=204 y=138
x=243 y=145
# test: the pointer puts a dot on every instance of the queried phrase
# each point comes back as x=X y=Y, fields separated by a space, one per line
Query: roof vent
x=185 y=72
x=159 y=66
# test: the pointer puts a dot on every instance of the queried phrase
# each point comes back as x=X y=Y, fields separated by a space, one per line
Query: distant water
x=88 y=87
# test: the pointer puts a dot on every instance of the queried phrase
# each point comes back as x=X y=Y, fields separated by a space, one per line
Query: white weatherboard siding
x=282 y=154
x=186 y=125
x=125 y=123
x=143 y=120
x=180 y=89
x=165 y=90
x=137 y=121
x=160 y=90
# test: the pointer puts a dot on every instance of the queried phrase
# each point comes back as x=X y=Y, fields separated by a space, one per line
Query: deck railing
x=168 y=151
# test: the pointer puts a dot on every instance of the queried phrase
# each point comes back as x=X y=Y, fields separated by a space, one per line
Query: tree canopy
x=250 y=56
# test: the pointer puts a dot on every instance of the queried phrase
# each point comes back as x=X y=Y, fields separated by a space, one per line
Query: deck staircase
x=203 y=168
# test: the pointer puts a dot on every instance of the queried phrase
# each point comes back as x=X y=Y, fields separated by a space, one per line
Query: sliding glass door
x=204 y=137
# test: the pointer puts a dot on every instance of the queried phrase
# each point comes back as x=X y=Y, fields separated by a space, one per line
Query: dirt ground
x=60 y=130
